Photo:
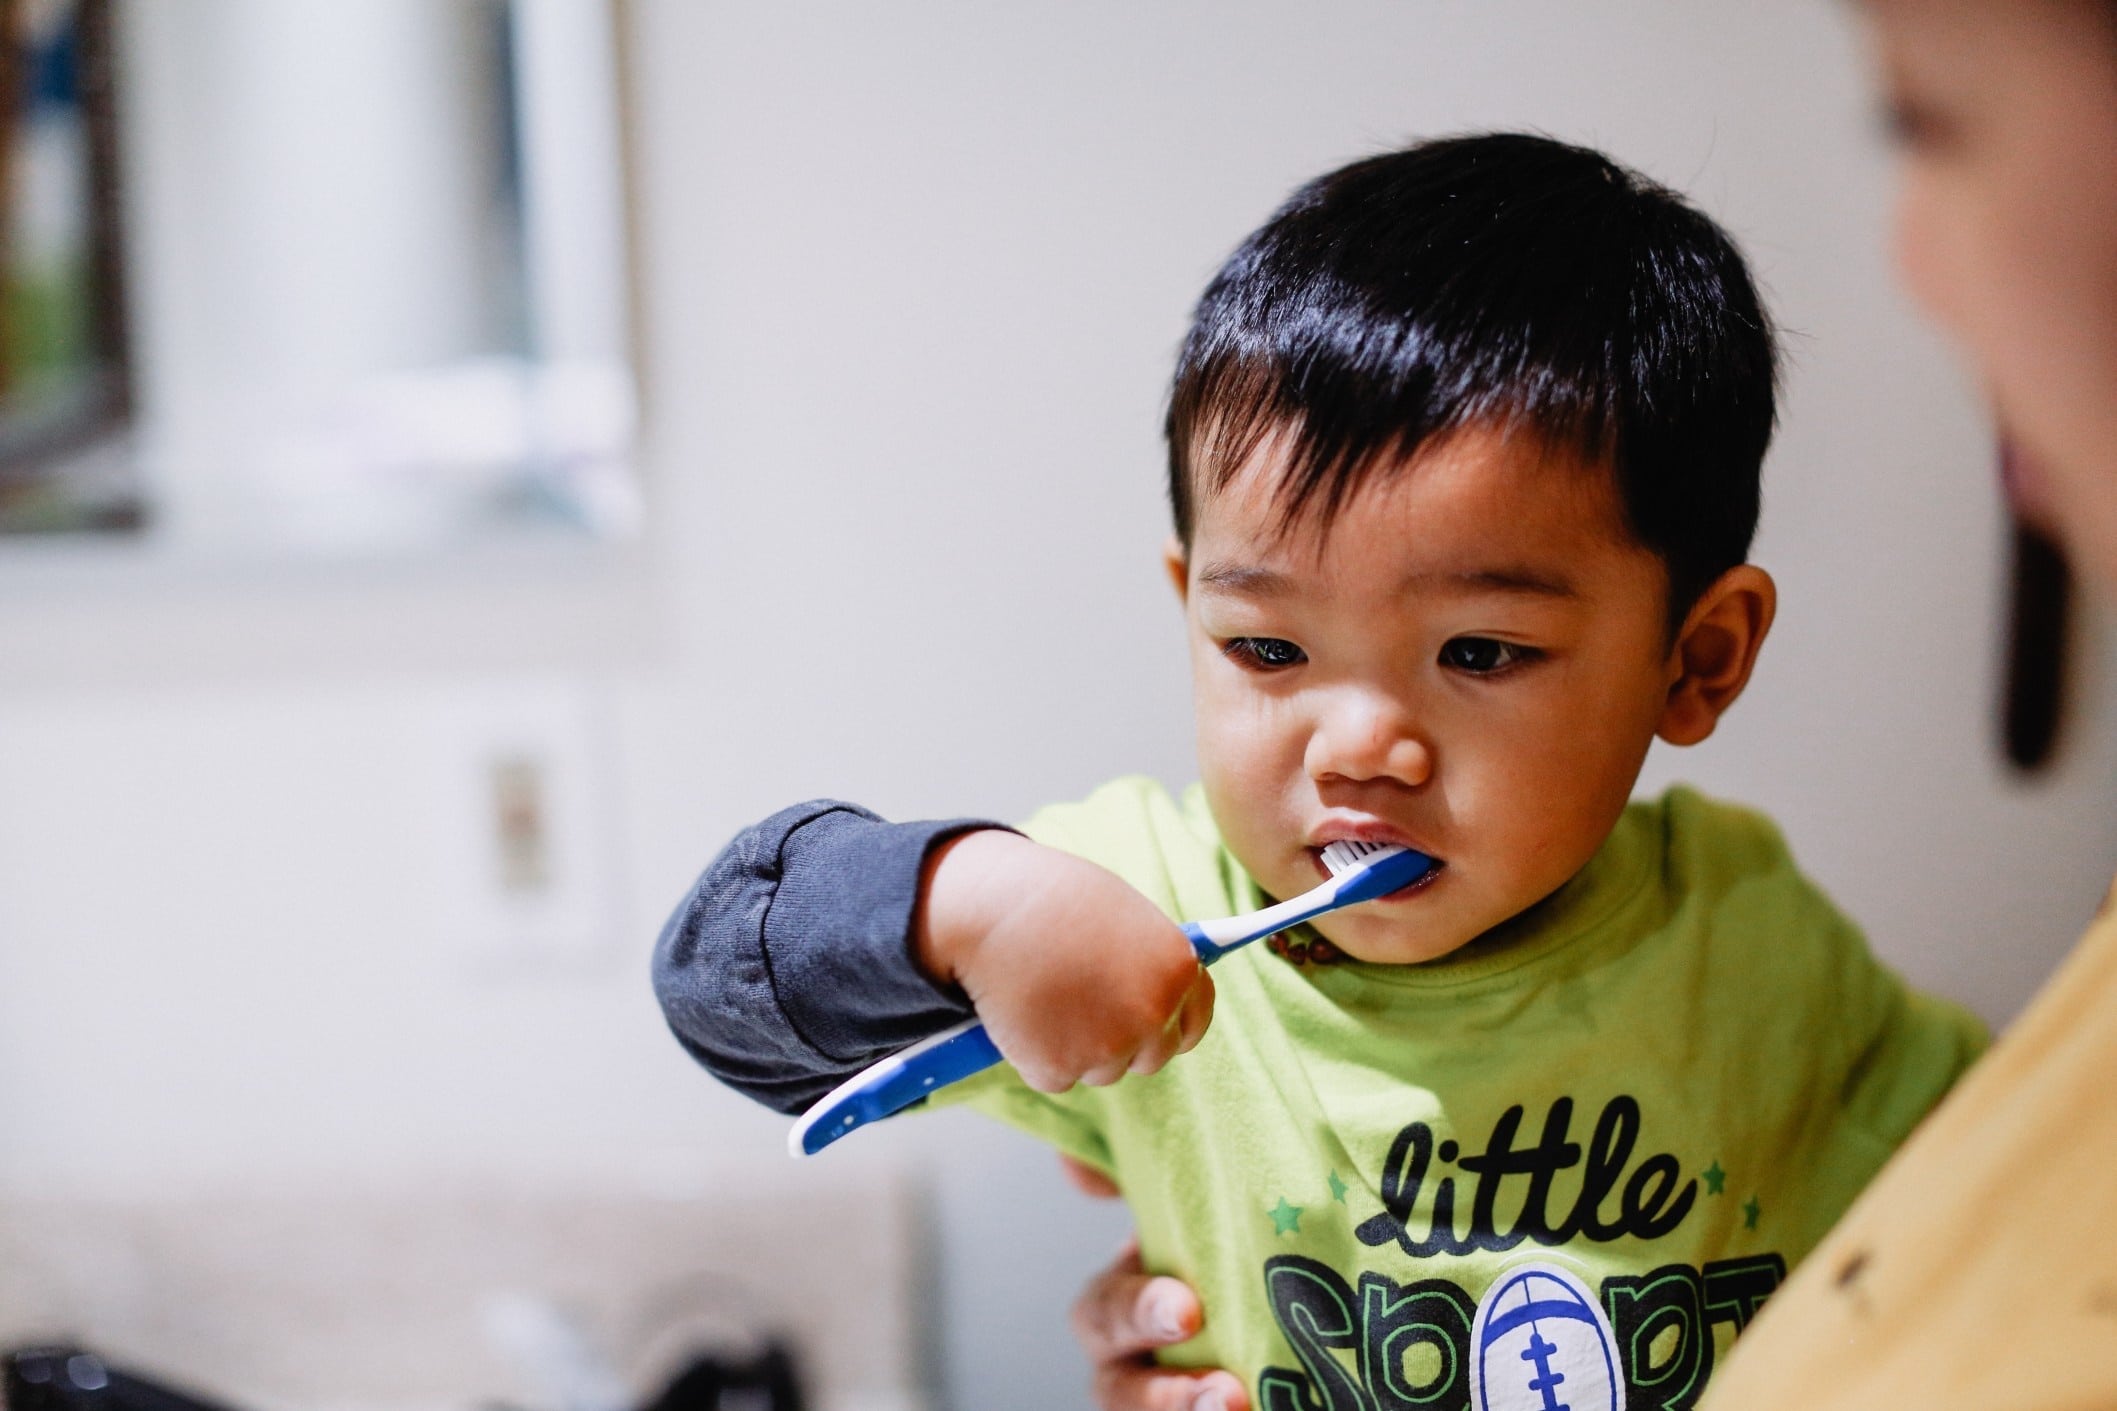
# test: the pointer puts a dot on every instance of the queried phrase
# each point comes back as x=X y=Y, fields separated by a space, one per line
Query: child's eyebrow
x=1255 y=581
x=1526 y=581
x=1244 y=578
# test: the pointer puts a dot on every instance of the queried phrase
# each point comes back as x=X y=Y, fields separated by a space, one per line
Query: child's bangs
x=1332 y=432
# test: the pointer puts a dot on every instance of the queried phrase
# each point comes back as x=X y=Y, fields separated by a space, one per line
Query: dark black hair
x=1501 y=278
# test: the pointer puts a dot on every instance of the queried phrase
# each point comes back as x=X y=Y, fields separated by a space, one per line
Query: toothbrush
x=1359 y=872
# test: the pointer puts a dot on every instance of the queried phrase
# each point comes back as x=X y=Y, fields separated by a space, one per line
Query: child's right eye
x=1263 y=653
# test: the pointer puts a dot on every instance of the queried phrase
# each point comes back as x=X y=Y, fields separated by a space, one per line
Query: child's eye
x=1263 y=653
x=1483 y=656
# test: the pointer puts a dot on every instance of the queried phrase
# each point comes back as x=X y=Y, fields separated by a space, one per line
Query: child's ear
x=1177 y=564
x=1715 y=652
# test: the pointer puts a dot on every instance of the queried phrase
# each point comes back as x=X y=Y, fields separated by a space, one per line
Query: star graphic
x=1715 y=1178
x=1286 y=1219
x=1750 y=1211
x=1338 y=1188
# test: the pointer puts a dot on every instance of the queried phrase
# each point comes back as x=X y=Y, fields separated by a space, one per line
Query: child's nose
x=1364 y=736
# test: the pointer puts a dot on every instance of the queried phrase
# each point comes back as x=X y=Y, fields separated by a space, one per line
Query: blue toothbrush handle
x=923 y=1069
x=895 y=1084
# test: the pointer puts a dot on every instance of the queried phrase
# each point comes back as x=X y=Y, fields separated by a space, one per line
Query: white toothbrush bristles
x=1347 y=854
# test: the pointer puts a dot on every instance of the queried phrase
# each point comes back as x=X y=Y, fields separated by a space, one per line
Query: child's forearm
x=789 y=965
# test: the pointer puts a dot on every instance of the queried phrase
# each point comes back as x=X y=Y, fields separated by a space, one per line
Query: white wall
x=913 y=276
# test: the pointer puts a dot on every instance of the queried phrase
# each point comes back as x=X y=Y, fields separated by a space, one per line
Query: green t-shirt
x=1569 y=1159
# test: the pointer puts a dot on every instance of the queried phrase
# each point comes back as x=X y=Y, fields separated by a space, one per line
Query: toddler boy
x=1464 y=451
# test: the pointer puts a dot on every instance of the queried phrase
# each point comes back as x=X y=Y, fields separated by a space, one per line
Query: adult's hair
x=1502 y=278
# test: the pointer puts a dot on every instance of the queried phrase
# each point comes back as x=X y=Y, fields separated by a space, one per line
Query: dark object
x=62 y=1378
x=767 y=1381
x=2039 y=617
x=73 y=1379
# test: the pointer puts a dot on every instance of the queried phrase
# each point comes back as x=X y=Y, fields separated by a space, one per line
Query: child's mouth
x=1416 y=885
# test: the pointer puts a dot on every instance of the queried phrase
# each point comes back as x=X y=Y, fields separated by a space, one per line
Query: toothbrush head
x=1365 y=871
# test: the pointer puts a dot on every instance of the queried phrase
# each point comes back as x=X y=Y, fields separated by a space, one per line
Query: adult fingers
x=1121 y=1317
x=1134 y=1386
x=1089 y=1181
x=1125 y=1311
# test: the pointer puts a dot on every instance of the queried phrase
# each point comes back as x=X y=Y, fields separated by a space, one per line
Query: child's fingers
x=1155 y=1051
x=1043 y=1077
x=1183 y=1030
x=1102 y=1075
x=1041 y=1071
x=1182 y=989
x=1196 y=1014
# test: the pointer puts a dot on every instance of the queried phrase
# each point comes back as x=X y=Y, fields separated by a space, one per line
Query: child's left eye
x=1483 y=656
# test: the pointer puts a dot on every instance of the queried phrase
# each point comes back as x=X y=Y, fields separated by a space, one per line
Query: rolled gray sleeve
x=788 y=966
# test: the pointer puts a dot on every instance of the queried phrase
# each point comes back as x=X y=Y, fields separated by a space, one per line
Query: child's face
x=1472 y=662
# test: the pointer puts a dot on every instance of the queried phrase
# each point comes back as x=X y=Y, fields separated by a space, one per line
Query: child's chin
x=1392 y=945
x=1408 y=954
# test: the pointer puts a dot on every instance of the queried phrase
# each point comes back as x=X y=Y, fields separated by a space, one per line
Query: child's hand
x=1077 y=976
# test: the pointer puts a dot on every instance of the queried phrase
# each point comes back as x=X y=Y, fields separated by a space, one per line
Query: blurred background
x=462 y=459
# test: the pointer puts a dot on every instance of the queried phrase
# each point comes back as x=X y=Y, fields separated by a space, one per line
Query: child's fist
x=1077 y=977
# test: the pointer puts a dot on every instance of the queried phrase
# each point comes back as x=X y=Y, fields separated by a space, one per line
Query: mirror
x=313 y=277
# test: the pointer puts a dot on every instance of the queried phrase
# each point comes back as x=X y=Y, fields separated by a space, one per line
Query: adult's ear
x=1177 y=564
x=1715 y=651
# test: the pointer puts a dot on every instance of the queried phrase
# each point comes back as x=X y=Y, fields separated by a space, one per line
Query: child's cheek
x=1248 y=781
x=1234 y=760
x=1584 y=781
x=1241 y=729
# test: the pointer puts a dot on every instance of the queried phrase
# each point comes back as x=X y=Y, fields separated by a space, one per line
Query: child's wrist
x=963 y=891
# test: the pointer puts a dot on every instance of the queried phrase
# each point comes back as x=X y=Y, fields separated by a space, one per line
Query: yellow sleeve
x=1923 y=1045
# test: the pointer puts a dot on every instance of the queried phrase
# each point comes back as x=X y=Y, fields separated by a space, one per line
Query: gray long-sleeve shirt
x=788 y=966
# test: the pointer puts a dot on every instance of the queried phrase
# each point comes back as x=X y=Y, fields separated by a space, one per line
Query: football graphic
x=1541 y=1343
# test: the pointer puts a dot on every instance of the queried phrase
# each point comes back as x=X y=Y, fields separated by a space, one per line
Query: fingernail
x=1210 y=1401
x=1165 y=1315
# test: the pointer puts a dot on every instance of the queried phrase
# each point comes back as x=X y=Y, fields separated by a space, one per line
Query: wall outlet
x=521 y=825
x=527 y=859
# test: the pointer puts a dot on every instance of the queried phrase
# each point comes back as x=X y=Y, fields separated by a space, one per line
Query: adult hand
x=1125 y=1313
